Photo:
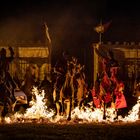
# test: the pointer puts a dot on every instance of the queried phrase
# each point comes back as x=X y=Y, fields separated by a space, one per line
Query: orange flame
x=40 y=111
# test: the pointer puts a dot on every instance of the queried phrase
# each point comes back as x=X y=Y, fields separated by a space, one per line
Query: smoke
x=70 y=28
x=66 y=22
x=21 y=28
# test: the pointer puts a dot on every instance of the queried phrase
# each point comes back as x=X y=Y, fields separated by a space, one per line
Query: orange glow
x=40 y=113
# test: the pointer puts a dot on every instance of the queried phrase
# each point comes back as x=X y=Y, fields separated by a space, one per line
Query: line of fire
x=110 y=99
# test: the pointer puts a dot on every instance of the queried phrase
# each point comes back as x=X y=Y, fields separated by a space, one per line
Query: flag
x=102 y=27
x=99 y=29
x=120 y=101
x=96 y=100
x=47 y=33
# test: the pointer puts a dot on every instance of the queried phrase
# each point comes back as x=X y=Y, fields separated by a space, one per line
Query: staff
x=49 y=41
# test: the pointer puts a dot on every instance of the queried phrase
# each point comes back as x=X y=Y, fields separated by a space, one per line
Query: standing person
x=46 y=85
x=7 y=85
x=4 y=70
x=4 y=60
x=29 y=82
x=60 y=70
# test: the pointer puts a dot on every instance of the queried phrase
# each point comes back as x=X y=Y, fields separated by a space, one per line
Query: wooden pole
x=100 y=33
x=49 y=45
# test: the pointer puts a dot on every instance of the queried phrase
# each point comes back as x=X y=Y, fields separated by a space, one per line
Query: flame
x=94 y=114
x=39 y=111
x=88 y=115
x=133 y=115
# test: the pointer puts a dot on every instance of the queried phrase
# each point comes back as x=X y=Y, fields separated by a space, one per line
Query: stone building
x=128 y=56
x=28 y=53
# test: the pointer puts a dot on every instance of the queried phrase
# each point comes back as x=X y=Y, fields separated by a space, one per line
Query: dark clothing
x=46 y=85
x=60 y=70
x=5 y=77
x=61 y=67
x=29 y=82
x=113 y=63
x=5 y=61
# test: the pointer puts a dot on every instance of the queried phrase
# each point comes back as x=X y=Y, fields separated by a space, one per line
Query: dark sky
x=70 y=14
x=71 y=22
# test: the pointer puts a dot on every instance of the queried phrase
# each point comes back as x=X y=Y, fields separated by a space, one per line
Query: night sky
x=71 y=23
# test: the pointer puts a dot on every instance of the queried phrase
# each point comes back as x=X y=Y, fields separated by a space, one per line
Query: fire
x=39 y=111
x=133 y=115
x=88 y=115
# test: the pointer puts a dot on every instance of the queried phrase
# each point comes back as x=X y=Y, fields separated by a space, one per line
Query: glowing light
x=133 y=115
x=39 y=112
x=38 y=109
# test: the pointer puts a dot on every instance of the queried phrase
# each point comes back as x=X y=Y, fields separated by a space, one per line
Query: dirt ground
x=70 y=131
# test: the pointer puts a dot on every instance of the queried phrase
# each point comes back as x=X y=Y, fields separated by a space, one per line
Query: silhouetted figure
x=7 y=85
x=29 y=82
x=46 y=85
x=4 y=69
x=5 y=61
x=60 y=71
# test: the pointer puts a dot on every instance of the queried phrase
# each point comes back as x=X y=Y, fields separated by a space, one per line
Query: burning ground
x=39 y=122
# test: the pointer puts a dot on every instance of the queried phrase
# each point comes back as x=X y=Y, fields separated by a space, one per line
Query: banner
x=102 y=27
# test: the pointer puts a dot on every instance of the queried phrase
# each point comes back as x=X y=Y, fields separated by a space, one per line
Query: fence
x=29 y=54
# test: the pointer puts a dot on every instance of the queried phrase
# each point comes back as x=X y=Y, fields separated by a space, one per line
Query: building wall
x=128 y=56
x=33 y=53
